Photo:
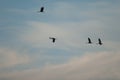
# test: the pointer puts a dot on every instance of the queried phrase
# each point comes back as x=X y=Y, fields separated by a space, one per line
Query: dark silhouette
x=41 y=9
x=89 y=41
x=53 y=39
x=99 y=41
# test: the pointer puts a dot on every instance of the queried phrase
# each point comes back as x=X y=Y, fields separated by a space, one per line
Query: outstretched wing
x=53 y=39
x=50 y=37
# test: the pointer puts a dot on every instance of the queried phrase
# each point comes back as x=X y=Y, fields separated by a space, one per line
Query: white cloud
x=10 y=58
x=91 y=66
x=38 y=34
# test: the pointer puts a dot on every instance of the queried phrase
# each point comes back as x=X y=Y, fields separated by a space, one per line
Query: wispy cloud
x=11 y=58
x=91 y=66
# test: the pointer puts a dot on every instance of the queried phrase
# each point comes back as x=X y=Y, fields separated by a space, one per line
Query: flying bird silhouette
x=89 y=41
x=41 y=9
x=99 y=41
x=53 y=39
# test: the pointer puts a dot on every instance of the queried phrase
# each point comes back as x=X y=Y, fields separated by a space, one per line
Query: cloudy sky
x=27 y=53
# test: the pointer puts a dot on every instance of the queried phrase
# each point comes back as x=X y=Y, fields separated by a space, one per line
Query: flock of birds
x=99 y=41
x=54 y=39
x=89 y=40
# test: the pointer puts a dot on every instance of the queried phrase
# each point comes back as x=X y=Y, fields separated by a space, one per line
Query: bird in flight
x=53 y=39
x=99 y=41
x=41 y=9
x=89 y=41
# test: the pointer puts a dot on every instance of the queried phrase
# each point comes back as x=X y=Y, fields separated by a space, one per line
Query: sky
x=27 y=53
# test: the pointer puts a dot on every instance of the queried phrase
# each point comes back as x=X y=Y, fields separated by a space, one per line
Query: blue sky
x=26 y=52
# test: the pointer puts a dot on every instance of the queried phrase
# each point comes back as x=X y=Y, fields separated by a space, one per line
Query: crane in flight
x=89 y=41
x=99 y=41
x=53 y=39
x=41 y=9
